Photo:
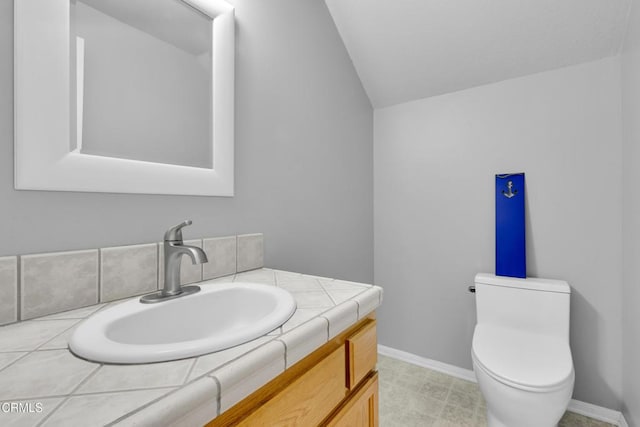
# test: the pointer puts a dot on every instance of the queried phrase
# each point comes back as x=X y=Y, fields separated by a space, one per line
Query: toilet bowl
x=520 y=350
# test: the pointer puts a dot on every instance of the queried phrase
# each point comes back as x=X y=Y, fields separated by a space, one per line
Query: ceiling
x=410 y=49
x=171 y=21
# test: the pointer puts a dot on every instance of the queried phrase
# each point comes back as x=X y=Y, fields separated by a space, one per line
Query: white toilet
x=520 y=351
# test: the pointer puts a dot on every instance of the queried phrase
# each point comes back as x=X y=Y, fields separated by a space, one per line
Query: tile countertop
x=36 y=367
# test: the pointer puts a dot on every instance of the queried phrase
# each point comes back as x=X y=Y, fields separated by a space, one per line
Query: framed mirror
x=125 y=96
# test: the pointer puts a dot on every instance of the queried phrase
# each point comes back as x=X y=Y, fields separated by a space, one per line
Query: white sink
x=220 y=316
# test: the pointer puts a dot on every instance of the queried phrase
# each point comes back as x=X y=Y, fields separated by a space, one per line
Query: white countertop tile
x=27 y=336
x=194 y=404
x=131 y=377
x=60 y=341
x=79 y=313
x=8 y=358
x=304 y=339
x=246 y=374
x=341 y=317
x=36 y=364
x=341 y=295
x=33 y=417
x=208 y=362
x=100 y=409
x=313 y=299
x=265 y=276
x=300 y=316
x=44 y=374
x=368 y=301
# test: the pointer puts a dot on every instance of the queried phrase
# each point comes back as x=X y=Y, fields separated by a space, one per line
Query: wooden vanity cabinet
x=361 y=409
x=337 y=385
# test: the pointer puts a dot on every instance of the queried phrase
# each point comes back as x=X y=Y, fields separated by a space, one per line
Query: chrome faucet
x=174 y=248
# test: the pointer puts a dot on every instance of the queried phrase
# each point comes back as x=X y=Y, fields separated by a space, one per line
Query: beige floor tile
x=571 y=419
x=435 y=390
x=465 y=386
x=460 y=399
x=458 y=416
x=411 y=395
x=439 y=377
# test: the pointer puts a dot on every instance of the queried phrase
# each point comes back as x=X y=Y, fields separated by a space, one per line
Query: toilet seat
x=520 y=359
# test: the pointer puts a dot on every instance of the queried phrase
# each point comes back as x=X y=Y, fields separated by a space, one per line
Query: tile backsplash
x=250 y=253
x=50 y=283
x=41 y=284
x=128 y=270
x=8 y=289
x=222 y=253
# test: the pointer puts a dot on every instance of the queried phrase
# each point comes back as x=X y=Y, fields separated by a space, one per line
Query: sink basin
x=220 y=316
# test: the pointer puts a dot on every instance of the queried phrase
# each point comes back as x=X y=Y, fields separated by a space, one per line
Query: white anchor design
x=509 y=194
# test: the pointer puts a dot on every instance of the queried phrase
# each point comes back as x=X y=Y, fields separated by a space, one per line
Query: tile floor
x=412 y=396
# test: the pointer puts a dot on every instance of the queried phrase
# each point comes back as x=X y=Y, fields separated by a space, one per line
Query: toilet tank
x=531 y=304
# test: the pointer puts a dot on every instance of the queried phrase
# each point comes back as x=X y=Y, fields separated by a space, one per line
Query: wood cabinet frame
x=289 y=399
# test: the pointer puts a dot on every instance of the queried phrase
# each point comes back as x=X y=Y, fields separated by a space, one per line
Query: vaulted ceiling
x=410 y=49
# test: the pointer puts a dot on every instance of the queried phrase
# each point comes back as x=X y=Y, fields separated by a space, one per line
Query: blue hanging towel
x=510 y=229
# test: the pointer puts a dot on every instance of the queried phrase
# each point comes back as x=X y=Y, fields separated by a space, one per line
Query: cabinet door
x=361 y=410
x=362 y=354
x=308 y=400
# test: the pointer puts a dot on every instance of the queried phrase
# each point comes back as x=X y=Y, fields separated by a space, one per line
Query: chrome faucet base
x=160 y=296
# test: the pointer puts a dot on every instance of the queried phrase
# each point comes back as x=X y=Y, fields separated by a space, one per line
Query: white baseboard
x=454 y=371
x=599 y=413
x=587 y=409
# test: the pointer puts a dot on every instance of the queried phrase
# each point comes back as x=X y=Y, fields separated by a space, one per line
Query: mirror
x=143 y=81
x=131 y=96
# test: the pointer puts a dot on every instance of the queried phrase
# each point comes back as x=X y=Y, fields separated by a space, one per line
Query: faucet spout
x=174 y=248
x=173 y=252
x=197 y=255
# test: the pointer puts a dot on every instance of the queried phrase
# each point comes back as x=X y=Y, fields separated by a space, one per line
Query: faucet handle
x=175 y=233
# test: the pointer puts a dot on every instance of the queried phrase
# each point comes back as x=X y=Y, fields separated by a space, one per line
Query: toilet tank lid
x=532 y=283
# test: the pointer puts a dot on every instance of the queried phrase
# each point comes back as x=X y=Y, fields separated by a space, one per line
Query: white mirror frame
x=43 y=156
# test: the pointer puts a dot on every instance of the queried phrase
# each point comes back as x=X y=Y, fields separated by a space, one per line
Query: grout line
x=237 y=252
x=40 y=319
x=219 y=396
x=87 y=378
x=74 y=324
x=53 y=411
x=191 y=368
x=210 y=371
x=328 y=326
x=17 y=360
x=158 y=249
x=95 y=393
x=276 y=280
x=330 y=297
x=99 y=297
x=59 y=349
x=19 y=288
x=68 y=396
x=146 y=405
x=286 y=351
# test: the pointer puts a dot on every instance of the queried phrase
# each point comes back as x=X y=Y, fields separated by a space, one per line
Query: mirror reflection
x=143 y=81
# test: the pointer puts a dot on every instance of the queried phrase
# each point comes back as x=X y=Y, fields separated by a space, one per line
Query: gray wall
x=303 y=157
x=435 y=161
x=631 y=218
